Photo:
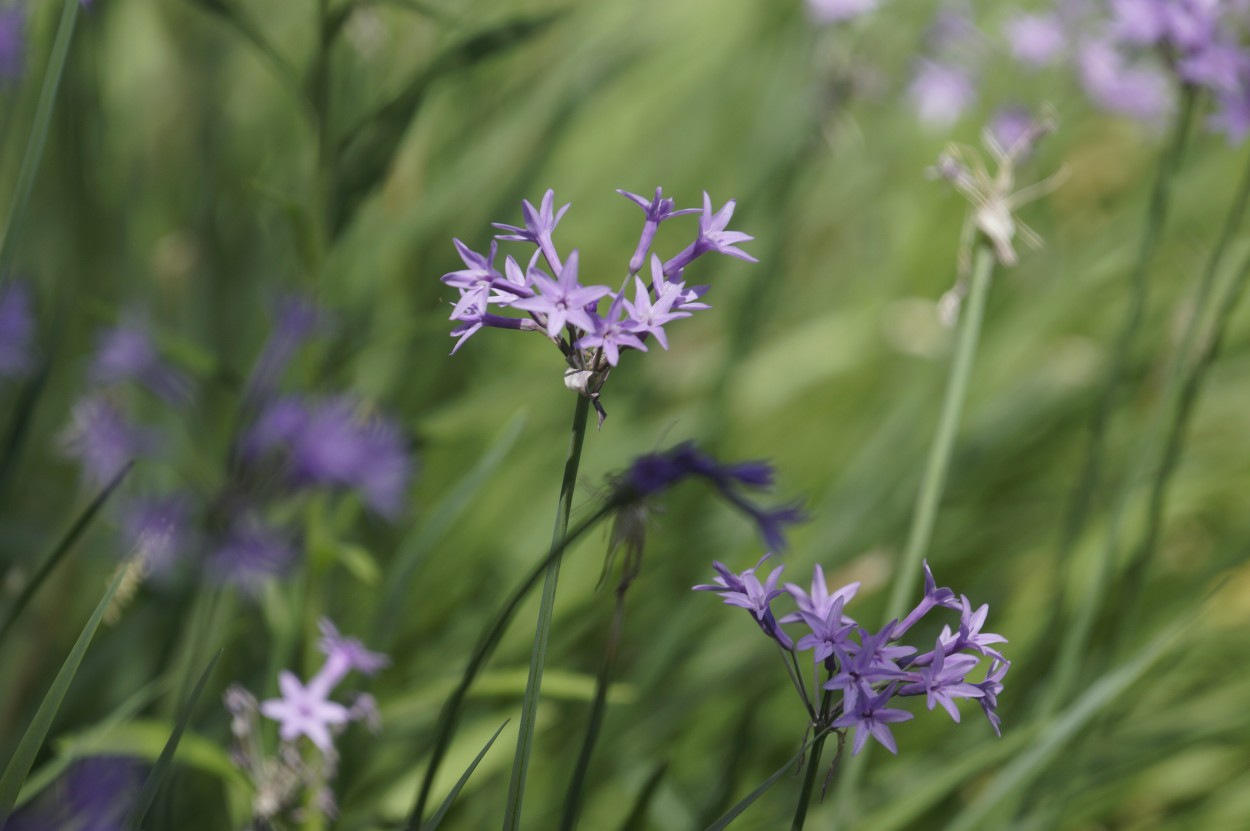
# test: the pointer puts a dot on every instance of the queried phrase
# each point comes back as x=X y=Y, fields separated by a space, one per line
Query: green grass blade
x=746 y=802
x=437 y=818
x=450 y=713
x=441 y=518
x=636 y=819
x=1053 y=736
x=58 y=552
x=134 y=818
x=38 y=136
x=24 y=757
x=20 y=419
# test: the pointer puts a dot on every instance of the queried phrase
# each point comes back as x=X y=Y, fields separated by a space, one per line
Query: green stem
x=529 y=708
x=809 y=783
x=38 y=136
x=450 y=714
x=934 y=480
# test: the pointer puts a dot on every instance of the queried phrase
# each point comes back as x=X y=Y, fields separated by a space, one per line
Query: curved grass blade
x=38 y=136
x=450 y=713
x=59 y=551
x=437 y=818
x=24 y=757
x=139 y=809
x=636 y=819
x=746 y=802
x=440 y=519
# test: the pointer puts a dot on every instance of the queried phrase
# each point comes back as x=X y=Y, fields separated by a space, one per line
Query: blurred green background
x=182 y=181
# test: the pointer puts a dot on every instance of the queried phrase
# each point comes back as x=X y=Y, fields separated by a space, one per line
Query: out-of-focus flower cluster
x=867 y=670
x=286 y=445
x=94 y=794
x=17 y=330
x=558 y=303
x=1129 y=56
x=303 y=710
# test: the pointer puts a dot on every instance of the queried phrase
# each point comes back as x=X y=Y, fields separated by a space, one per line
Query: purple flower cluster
x=93 y=795
x=292 y=780
x=869 y=669
x=568 y=311
x=657 y=472
x=17 y=325
x=287 y=444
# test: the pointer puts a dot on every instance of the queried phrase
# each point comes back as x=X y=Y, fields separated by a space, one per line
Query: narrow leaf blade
x=437 y=818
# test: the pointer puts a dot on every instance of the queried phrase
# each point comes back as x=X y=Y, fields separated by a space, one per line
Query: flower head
x=102 y=439
x=941 y=93
x=126 y=353
x=746 y=591
x=563 y=302
x=872 y=718
x=305 y=711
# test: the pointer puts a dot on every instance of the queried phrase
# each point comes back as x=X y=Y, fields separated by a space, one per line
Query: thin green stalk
x=809 y=783
x=934 y=480
x=1077 y=635
x=38 y=137
x=450 y=714
x=529 y=707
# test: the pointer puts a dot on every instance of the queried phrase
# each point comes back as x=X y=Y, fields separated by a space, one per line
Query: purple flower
x=17 y=325
x=344 y=655
x=563 y=302
x=864 y=664
x=159 y=530
x=820 y=601
x=611 y=333
x=102 y=440
x=746 y=591
x=297 y=320
x=305 y=711
x=990 y=688
x=1140 y=91
x=1036 y=40
x=1218 y=66
x=1138 y=22
x=933 y=597
x=539 y=223
x=941 y=93
x=647 y=317
x=1232 y=116
x=942 y=681
x=970 y=635
x=713 y=236
x=837 y=11
x=126 y=353
x=657 y=210
x=872 y=718
x=251 y=553
x=474 y=318
x=829 y=631
x=12 y=43
x=1011 y=126
x=93 y=795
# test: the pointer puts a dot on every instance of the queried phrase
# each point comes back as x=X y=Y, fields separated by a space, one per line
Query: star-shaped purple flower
x=539 y=223
x=872 y=718
x=305 y=711
x=564 y=301
x=942 y=681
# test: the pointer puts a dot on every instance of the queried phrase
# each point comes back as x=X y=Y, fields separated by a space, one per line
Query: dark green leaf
x=434 y=821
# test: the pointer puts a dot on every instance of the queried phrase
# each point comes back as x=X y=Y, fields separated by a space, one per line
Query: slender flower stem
x=38 y=136
x=934 y=480
x=809 y=783
x=450 y=714
x=529 y=709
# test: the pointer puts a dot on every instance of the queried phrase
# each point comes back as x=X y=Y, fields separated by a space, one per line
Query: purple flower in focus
x=860 y=666
x=713 y=236
x=12 y=43
x=647 y=317
x=942 y=681
x=990 y=688
x=829 y=631
x=563 y=302
x=1036 y=40
x=941 y=93
x=305 y=711
x=126 y=353
x=872 y=718
x=657 y=210
x=539 y=223
x=102 y=440
x=17 y=328
x=820 y=601
x=611 y=333
x=970 y=635
x=933 y=597
x=837 y=11
x=746 y=591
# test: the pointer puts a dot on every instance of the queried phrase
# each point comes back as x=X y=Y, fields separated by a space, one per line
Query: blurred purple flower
x=1139 y=91
x=93 y=795
x=305 y=711
x=941 y=93
x=12 y=43
x=251 y=553
x=1035 y=40
x=1012 y=125
x=159 y=529
x=1219 y=66
x=126 y=353
x=837 y=11
x=102 y=440
x=17 y=329
x=296 y=320
x=1139 y=22
x=344 y=655
x=1232 y=116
